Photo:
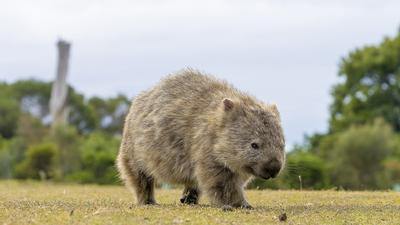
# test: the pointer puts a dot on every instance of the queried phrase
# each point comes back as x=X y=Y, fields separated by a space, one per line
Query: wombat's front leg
x=223 y=187
x=190 y=195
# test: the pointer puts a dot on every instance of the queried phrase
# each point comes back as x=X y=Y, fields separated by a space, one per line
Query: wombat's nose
x=272 y=168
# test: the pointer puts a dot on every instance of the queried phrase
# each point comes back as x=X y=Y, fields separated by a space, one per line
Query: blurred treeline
x=83 y=151
x=361 y=149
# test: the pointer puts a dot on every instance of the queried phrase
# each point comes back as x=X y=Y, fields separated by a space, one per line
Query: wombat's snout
x=271 y=169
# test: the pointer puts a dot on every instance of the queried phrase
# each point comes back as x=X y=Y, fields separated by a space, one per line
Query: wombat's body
x=198 y=131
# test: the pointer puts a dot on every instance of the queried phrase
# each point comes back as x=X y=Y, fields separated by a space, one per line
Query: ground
x=47 y=203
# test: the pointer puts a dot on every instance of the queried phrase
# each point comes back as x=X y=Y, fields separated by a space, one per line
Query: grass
x=46 y=203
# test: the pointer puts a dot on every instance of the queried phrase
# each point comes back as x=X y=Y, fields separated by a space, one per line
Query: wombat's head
x=251 y=138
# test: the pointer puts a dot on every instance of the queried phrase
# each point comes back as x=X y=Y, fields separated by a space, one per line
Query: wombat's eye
x=254 y=145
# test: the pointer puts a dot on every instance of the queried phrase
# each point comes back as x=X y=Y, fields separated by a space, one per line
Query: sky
x=281 y=51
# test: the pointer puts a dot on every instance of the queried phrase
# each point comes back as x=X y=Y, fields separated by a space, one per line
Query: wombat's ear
x=275 y=111
x=228 y=104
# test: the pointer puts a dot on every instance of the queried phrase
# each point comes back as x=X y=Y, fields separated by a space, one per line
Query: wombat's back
x=184 y=90
x=187 y=94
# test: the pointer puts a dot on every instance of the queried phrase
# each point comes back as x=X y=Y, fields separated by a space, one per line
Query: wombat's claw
x=183 y=199
x=246 y=206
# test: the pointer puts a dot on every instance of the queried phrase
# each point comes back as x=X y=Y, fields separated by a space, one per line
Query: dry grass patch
x=46 y=203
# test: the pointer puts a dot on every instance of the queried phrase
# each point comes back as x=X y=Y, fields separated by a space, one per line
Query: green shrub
x=97 y=156
x=6 y=161
x=357 y=158
x=39 y=162
x=68 y=141
x=305 y=170
x=392 y=168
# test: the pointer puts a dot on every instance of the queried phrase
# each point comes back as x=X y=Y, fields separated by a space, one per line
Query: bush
x=39 y=163
x=357 y=159
x=392 y=168
x=306 y=170
x=6 y=161
x=68 y=141
x=97 y=156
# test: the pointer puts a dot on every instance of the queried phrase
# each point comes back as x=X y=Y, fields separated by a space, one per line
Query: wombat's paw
x=190 y=196
x=227 y=208
x=189 y=199
x=150 y=202
x=243 y=206
x=246 y=206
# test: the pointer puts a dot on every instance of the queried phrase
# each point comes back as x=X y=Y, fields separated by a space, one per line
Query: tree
x=370 y=87
x=34 y=96
x=110 y=112
x=80 y=114
x=9 y=112
x=30 y=129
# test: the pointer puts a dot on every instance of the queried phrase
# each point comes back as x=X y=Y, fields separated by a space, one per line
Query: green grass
x=46 y=203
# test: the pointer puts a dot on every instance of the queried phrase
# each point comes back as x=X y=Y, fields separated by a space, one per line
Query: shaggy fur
x=196 y=130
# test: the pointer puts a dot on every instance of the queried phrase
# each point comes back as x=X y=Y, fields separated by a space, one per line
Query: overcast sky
x=285 y=52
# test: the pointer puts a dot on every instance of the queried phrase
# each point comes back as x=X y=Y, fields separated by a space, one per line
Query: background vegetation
x=361 y=149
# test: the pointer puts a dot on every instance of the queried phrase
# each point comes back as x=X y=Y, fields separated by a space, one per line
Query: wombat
x=199 y=131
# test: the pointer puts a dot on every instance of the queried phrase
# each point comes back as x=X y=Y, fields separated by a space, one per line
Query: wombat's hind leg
x=190 y=196
x=144 y=188
x=140 y=182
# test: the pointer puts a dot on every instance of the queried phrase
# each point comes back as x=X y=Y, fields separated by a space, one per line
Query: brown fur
x=196 y=130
